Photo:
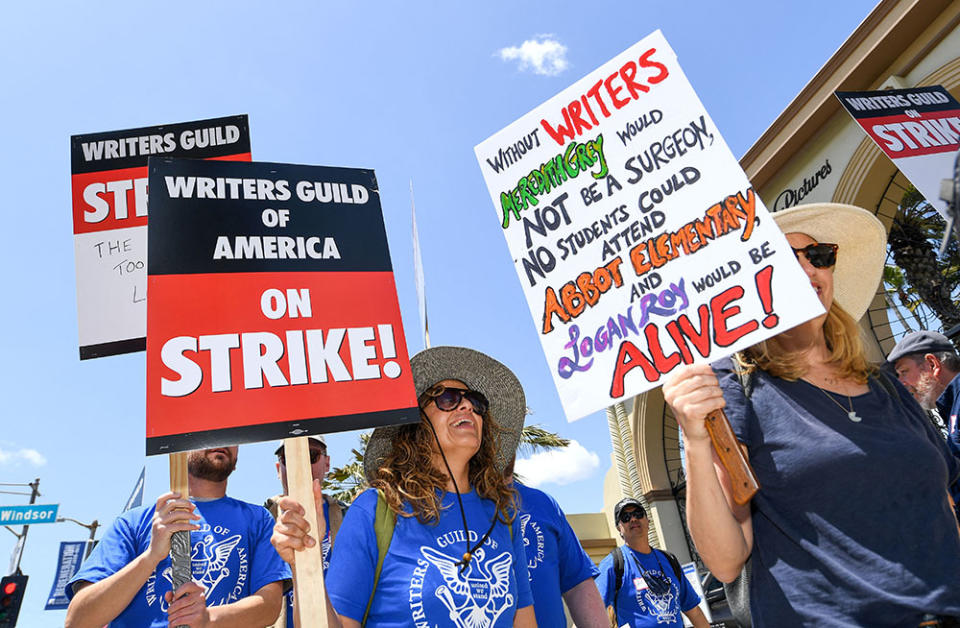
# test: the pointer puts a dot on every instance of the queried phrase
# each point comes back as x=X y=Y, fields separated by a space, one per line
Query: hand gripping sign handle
x=180 y=541
x=311 y=606
x=743 y=481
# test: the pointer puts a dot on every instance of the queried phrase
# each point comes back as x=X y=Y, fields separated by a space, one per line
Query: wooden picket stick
x=180 y=541
x=743 y=481
x=311 y=605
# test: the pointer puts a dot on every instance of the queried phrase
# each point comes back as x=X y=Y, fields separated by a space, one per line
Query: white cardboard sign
x=638 y=239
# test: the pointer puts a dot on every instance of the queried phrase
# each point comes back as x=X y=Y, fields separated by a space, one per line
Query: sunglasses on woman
x=820 y=255
x=447 y=399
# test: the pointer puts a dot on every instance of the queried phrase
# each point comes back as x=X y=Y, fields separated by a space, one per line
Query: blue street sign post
x=28 y=515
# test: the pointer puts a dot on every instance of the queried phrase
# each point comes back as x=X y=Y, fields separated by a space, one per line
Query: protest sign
x=109 y=182
x=638 y=239
x=917 y=128
x=71 y=555
x=273 y=310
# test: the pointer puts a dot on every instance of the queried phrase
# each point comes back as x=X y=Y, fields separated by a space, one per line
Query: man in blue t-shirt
x=559 y=568
x=238 y=577
x=332 y=511
x=651 y=592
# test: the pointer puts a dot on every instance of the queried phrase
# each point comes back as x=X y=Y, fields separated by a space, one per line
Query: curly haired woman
x=456 y=553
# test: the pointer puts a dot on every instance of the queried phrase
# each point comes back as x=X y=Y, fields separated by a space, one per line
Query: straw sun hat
x=479 y=372
x=862 y=241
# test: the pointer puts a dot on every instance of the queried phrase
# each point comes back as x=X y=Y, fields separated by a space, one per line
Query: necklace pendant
x=852 y=415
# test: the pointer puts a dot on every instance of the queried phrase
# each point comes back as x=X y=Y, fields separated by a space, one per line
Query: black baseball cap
x=623 y=503
x=922 y=342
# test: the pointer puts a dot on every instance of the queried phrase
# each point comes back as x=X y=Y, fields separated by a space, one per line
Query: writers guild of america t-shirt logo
x=532 y=542
x=660 y=606
x=212 y=560
x=475 y=597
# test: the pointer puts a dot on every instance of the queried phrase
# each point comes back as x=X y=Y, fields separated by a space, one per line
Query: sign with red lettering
x=273 y=310
x=109 y=181
x=917 y=128
x=638 y=239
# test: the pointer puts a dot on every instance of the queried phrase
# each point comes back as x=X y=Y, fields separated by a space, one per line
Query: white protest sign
x=638 y=239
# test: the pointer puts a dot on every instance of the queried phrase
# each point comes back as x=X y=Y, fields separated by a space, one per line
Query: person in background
x=651 y=591
x=332 y=511
x=846 y=459
x=437 y=539
x=238 y=578
x=928 y=365
x=559 y=568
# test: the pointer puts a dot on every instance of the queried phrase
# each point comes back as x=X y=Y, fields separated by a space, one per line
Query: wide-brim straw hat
x=862 y=251
x=479 y=372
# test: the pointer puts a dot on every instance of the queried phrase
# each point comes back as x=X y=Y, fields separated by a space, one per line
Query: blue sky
x=407 y=89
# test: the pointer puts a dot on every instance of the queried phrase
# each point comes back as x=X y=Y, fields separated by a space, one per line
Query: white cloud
x=32 y=456
x=543 y=54
x=559 y=466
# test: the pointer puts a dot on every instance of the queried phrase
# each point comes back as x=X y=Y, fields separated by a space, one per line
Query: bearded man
x=237 y=576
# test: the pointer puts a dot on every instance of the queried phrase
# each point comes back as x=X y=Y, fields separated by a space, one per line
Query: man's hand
x=172 y=514
x=188 y=606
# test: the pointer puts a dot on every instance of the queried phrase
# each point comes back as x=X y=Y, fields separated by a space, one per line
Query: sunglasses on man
x=820 y=255
x=447 y=398
x=315 y=455
x=629 y=515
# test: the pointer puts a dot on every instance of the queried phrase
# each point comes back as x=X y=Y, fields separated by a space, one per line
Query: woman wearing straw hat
x=455 y=555
x=852 y=525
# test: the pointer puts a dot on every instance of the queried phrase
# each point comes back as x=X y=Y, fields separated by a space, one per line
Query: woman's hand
x=693 y=392
x=291 y=531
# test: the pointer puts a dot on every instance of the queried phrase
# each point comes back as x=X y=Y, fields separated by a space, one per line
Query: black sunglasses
x=314 y=456
x=447 y=399
x=626 y=517
x=820 y=255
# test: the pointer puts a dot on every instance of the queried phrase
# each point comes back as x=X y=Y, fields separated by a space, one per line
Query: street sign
x=28 y=515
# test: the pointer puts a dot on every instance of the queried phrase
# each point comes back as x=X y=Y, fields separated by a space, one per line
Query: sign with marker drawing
x=109 y=182
x=917 y=128
x=273 y=310
x=638 y=239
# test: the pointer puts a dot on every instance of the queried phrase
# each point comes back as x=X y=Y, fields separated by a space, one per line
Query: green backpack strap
x=384 y=521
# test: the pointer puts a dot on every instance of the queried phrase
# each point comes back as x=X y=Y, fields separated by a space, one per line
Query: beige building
x=814 y=151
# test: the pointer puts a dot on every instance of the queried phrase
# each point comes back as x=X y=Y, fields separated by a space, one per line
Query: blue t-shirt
x=327 y=549
x=555 y=559
x=851 y=525
x=420 y=583
x=231 y=558
x=637 y=605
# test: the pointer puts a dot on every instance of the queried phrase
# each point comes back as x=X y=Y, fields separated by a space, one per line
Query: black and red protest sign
x=273 y=310
x=917 y=128
x=109 y=182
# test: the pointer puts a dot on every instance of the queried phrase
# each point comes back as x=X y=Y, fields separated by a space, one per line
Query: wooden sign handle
x=311 y=605
x=180 y=541
x=743 y=480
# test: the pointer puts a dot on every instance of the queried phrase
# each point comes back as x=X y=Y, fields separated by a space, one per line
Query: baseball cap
x=317 y=438
x=623 y=503
x=923 y=341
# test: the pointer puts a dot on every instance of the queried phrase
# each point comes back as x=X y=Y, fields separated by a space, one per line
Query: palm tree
x=346 y=482
x=915 y=236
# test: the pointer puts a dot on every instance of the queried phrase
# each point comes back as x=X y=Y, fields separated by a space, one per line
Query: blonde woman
x=455 y=555
x=852 y=525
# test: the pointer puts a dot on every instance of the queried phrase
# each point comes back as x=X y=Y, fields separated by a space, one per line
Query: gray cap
x=922 y=342
x=318 y=438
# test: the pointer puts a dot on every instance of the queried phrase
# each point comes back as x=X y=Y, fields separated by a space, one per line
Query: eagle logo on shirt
x=477 y=596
